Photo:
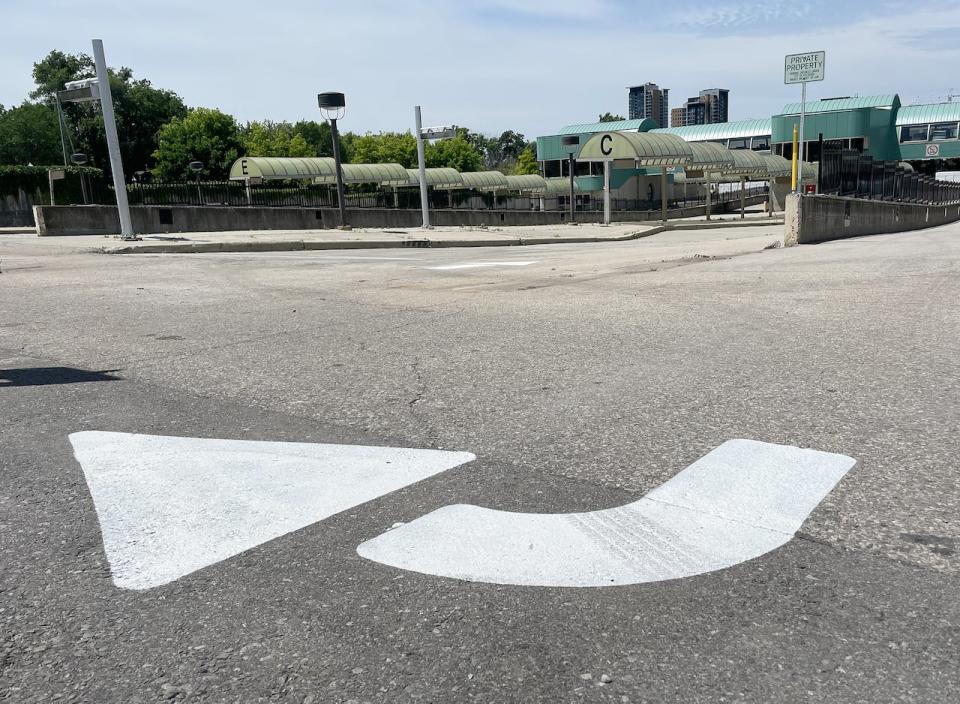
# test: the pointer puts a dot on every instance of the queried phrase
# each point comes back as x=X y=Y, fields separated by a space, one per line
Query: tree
x=527 y=161
x=141 y=110
x=317 y=135
x=274 y=139
x=608 y=117
x=29 y=134
x=456 y=153
x=204 y=135
x=384 y=148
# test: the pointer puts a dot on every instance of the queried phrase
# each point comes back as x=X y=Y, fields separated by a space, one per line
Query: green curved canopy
x=485 y=180
x=747 y=163
x=531 y=183
x=271 y=168
x=560 y=186
x=709 y=156
x=384 y=174
x=643 y=148
x=437 y=177
x=777 y=166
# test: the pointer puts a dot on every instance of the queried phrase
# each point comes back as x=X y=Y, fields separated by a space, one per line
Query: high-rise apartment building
x=650 y=101
x=709 y=107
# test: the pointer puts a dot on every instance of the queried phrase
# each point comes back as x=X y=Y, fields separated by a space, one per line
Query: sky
x=491 y=65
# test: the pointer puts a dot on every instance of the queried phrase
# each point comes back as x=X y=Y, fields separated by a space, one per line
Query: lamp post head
x=78 y=159
x=332 y=105
x=196 y=166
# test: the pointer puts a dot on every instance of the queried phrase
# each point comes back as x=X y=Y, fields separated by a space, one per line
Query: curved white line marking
x=169 y=506
x=741 y=500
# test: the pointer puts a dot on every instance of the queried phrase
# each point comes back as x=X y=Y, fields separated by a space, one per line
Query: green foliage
x=457 y=153
x=29 y=134
x=527 y=162
x=34 y=180
x=141 y=109
x=205 y=135
x=274 y=139
x=608 y=117
x=317 y=135
x=385 y=148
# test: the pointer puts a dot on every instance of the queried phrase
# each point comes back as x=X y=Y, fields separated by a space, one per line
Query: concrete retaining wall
x=811 y=219
x=150 y=220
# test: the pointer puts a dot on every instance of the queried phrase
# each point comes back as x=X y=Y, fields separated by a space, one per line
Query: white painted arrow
x=741 y=500
x=169 y=506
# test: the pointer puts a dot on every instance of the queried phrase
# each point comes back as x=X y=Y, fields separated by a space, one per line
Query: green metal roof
x=835 y=104
x=720 y=130
x=642 y=125
x=923 y=114
x=437 y=177
x=643 y=148
x=481 y=179
x=275 y=168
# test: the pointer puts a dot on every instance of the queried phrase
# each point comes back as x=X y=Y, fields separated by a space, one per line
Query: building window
x=914 y=133
x=943 y=131
x=760 y=144
x=738 y=144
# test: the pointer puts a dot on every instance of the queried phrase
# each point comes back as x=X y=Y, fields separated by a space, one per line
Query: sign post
x=423 y=134
x=802 y=69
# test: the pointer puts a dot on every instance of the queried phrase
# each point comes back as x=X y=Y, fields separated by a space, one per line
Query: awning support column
x=743 y=197
x=606 y=192
x=663 y=194
x=707 y=174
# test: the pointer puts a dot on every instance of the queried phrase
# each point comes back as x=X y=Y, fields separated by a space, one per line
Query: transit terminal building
x=925 y=136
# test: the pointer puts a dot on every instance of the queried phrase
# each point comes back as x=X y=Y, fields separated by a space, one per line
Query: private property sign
x=804 y=68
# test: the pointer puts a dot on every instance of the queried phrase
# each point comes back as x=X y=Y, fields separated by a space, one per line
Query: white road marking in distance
x=169 y=506
x=738 y=502
x=477 y=265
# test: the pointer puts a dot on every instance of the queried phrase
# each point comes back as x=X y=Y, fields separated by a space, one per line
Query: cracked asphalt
x=581 y=376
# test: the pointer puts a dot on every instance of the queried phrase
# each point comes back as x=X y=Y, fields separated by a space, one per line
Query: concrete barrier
x=154 y=220
x=810 y=219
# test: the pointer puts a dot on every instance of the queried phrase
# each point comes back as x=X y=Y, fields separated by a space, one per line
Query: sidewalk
x=297 y=240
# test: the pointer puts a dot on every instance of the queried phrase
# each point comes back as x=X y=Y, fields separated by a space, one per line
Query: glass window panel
x=914 y=133
x=760 y=144
x=943 y=131
x=738 y=144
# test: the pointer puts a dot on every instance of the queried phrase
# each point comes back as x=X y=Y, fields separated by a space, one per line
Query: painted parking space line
x=477 y=265
x=169 y=506
x=738 y=502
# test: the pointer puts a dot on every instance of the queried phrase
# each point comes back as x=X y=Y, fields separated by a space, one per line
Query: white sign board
x=804 y=68
x=442 y=132
x=933 y=150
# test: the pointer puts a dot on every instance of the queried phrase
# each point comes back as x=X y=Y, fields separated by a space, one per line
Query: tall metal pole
x=63 y=141
x=113 y=142
x=707 y=201
x=803 y=119
x=573 y=202
x=422 y=166
x=336 y=162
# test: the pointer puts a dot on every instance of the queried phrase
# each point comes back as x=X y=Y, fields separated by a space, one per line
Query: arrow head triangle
x=169 y=506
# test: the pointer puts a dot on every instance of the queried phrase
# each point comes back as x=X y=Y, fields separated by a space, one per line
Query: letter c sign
x=605 y=149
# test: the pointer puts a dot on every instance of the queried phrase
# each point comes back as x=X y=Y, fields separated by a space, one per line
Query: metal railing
x=236 y=194
x=847 y=172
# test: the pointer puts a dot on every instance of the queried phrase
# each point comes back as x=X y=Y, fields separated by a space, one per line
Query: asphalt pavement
x=581 y=376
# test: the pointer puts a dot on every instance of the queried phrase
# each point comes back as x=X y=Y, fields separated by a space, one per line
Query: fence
x=235 y=194
x=847 y=172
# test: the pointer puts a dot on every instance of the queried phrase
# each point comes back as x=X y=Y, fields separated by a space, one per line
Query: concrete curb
x=296 y=245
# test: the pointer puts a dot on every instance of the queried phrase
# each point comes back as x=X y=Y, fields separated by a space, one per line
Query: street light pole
x=113 y=142
x=422 y=167
x=332 y=107
x=571 y=142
